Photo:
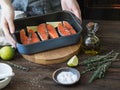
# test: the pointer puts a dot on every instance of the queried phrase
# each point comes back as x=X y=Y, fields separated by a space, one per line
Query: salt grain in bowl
x=66 y=77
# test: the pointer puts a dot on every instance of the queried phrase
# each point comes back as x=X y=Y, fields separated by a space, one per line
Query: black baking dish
x=51 y=43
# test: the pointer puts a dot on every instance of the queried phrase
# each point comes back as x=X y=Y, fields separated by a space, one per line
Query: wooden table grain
x=39 y=77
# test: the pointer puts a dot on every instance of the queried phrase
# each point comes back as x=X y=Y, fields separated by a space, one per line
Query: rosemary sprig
x=100 y=72
x=87 y=70
x=96 y=58
x=100 y=64
x=18 y=66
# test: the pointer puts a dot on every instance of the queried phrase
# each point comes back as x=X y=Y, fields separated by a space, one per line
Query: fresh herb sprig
x=96 y=58
x=18 y=66
x=100 y=71
x=100 y=64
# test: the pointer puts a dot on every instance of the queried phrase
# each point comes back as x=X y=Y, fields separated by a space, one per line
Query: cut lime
x=55 y=24
x=34 y=28
x=73 y=61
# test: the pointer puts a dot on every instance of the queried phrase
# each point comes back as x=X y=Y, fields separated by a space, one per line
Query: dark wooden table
x=39 y=77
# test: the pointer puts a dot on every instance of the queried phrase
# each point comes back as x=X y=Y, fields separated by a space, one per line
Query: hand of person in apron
x=72 y=6
x=7 y=18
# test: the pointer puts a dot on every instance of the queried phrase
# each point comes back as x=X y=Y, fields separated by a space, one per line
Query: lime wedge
x=33 y=28
x=55 y=24
x=73 y=61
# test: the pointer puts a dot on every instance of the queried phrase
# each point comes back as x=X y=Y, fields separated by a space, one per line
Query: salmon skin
x=42 y=31
x=32 y=37
x=52 y=31
x=65 y=29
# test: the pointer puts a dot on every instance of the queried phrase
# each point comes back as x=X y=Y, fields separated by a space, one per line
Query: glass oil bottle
x=91 y=43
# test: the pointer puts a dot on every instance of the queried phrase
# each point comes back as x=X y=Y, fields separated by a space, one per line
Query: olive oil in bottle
x=91 y=42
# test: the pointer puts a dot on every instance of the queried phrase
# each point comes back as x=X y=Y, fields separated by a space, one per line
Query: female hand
x=7 y=20
x=72 y=6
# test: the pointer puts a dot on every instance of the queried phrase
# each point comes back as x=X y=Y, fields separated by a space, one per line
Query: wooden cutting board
x=54 y=56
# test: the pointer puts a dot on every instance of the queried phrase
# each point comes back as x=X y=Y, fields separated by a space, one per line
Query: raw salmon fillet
x=23 y=37
x=63 y=31
x=69 y=27
x=32 y=37
x=51 y=31
x=42 y=31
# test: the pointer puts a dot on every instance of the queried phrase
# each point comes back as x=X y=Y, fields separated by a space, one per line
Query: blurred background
x=100 y=9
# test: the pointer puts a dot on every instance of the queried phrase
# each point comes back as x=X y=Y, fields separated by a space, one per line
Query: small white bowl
x=5 y=69
x=68 y=76
x=4 y=82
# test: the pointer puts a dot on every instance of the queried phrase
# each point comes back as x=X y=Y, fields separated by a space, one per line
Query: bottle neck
x=91 y=33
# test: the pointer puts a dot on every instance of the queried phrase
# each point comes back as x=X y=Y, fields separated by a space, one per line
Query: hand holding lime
x=7 y=53
x=73 y=61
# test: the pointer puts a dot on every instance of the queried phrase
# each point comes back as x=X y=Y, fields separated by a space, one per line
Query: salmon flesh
x=31 y=38
x=69 y=27
x=52 y=31
x=65 y=29
x=23 y=37
x=42 y=31
x=62 y=30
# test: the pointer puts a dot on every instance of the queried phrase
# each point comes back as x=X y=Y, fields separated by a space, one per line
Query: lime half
x=73 y=61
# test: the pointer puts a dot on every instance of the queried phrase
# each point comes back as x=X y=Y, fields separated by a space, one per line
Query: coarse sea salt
x=66 y=77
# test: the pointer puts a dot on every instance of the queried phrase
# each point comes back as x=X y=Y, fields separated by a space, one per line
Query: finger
x=7 y=34
x=78 y=14
x=10 y=39
x=11 y=26
x=75 y=10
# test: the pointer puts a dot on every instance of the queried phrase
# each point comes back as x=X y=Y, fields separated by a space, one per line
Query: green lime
x=7 y=53
x=73 y=61
x=54 y=24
